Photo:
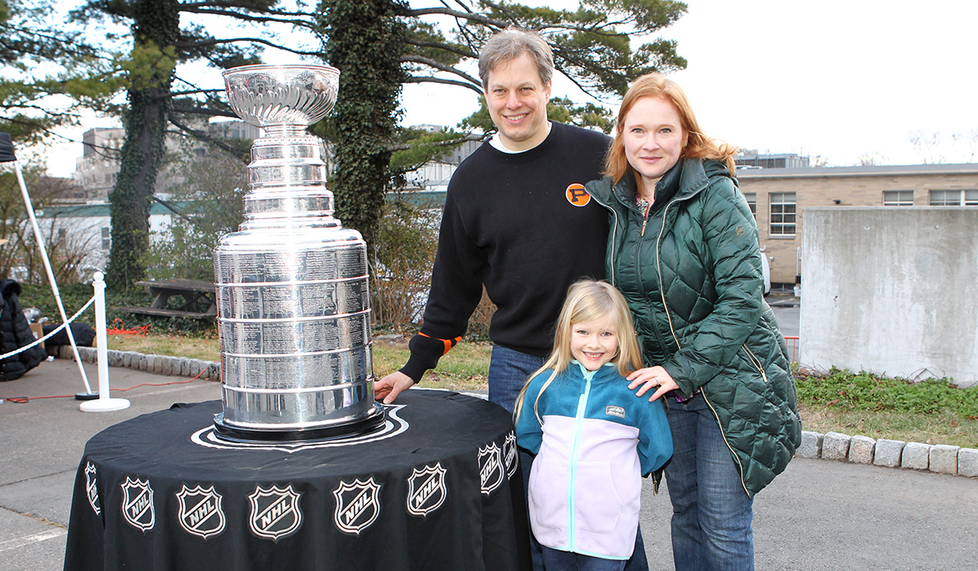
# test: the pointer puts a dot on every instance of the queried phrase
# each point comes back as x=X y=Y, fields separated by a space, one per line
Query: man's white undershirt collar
x=497 y=142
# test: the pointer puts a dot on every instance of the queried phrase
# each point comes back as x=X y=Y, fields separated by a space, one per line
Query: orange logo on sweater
x=576 y=194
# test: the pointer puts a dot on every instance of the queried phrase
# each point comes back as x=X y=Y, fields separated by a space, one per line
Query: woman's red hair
x=697 y=146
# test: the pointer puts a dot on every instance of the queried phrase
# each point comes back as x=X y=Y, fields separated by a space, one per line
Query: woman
x=683 y=249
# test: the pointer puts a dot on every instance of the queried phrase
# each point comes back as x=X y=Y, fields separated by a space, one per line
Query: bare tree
x=927 y=145
x=20 y=256
x=970 y=140
x=871 y=159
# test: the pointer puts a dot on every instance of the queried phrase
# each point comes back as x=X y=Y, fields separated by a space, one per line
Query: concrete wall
x=891 y=290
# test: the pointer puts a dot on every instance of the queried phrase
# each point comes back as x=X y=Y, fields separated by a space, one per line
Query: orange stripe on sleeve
x=448 y=343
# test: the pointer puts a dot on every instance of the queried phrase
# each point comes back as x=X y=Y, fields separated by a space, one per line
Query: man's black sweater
x=510 y=224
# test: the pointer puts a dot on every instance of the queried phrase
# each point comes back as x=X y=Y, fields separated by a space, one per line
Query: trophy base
x=373 y=422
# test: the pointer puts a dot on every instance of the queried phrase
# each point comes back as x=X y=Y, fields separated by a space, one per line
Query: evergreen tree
x=29 y=40
x=156 y=26
x=378 y=45
x=591 y=45
x=363 y=40
x=159 y=44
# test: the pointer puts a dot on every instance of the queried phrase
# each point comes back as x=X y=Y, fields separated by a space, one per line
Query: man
x=517 y=221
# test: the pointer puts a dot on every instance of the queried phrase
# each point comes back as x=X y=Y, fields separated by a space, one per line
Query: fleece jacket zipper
x=572 y=469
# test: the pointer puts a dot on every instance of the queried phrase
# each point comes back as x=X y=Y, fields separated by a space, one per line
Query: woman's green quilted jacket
x=692 y=276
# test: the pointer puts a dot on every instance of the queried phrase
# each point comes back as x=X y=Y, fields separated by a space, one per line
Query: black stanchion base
x=86 y=396
x=372 y=423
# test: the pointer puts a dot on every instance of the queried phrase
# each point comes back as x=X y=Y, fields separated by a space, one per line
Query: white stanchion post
x=104 y=403
x=39 y=238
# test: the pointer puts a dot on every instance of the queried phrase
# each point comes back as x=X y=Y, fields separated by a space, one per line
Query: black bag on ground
x=83 y=333
x=15 y=332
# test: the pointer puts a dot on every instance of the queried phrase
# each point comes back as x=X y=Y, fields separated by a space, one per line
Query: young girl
x=593 y=439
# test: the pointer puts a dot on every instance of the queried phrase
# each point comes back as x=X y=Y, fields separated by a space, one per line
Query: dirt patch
x=392 y=340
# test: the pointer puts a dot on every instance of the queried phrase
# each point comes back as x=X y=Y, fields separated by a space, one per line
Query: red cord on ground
x=23 y=400
x=157 y=384
x=121 y=329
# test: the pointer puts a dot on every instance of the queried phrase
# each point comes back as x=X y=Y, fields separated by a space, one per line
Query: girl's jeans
x=555 y=560
x=711 y=521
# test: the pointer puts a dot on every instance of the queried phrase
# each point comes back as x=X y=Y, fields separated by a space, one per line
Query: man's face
x=517 y=100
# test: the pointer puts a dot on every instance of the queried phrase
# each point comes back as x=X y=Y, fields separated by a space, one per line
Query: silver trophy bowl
x=292 y=284
x=294 y=96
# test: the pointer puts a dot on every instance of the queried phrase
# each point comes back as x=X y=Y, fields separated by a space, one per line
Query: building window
x=897 y=198
x=783 y=216
x=106 y=239
x=954 y=197
x=752 y=202
x=945 y=197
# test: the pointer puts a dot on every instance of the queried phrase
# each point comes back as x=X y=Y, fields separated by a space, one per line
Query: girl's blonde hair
x=697 y=145
x=588 y=300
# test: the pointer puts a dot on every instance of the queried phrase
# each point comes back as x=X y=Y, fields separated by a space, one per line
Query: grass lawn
x=933 y=412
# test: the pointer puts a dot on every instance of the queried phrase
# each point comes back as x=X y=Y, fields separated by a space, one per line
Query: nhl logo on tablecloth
x=357 y=505
x=91 y=490
x=275 y=512
x=509 y=454
x=426 y=490
x=490 y=468
x=137 y=504
x=200 y=511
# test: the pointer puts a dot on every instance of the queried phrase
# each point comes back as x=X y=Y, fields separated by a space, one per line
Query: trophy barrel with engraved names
x=292 y=284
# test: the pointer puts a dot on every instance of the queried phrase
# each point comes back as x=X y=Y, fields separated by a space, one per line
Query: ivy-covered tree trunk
x=365 y=41
x=156 y=26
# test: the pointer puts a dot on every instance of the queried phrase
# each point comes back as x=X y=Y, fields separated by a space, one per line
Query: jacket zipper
x=572 y=469
x=672 y=329
x=755 y=361
x=611 y=244
x=638 y=257
x=658 y=270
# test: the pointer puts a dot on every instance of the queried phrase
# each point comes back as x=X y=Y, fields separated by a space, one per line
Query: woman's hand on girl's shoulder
x=651 y=378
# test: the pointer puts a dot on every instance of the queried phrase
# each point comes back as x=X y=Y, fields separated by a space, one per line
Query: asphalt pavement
x=818 y=515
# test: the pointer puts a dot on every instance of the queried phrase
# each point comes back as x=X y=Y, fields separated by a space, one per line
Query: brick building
x=779 y=197
x=98 y=167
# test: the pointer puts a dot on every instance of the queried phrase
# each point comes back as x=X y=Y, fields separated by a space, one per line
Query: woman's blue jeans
x=711 y=520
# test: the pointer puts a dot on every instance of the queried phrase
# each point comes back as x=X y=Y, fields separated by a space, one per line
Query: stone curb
x=159 y=364
x=937 y=458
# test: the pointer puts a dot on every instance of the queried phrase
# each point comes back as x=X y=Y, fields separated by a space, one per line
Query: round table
x=438 y=487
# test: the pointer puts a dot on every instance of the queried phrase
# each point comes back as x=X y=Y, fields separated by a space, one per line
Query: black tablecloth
x=438 y=488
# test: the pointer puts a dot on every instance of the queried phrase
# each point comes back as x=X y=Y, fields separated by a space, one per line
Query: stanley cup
x=293 y=300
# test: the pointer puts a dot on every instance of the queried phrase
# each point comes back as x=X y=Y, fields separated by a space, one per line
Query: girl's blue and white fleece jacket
x=596 y=442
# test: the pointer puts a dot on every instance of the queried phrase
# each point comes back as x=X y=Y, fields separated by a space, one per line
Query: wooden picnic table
x=196 y=299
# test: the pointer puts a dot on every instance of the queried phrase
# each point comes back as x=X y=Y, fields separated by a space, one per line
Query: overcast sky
x=835 y=79
x=838 y=79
